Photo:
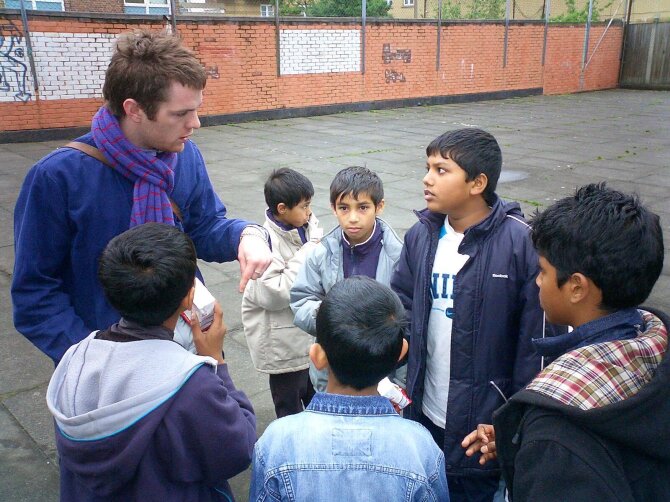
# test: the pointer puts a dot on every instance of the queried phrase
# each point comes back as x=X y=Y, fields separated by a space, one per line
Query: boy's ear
x=187 y=301
x=318 y=356
x=281 y=208
x=581 y=288
x=480 y=183
x=405 y=347
x=379 y=208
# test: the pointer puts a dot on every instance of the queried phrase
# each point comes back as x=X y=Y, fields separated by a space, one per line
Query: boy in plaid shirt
x=593 y=424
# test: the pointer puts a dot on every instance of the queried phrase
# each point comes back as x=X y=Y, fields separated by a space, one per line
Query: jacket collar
x=621 y=325
x=599 y=374
x=389 y=238
x=283 y=226
x=364 y=247
x=474 y=234
x=338 y=404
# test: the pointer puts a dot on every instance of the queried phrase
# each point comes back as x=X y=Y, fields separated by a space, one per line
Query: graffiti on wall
x=393 y=76
x=13 y=68
x=212 y=71
x=404 y=55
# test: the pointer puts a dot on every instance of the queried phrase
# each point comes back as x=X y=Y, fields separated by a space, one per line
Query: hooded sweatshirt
x=147 y=417
x=594 y=424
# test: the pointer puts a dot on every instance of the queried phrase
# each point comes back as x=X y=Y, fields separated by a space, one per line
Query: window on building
x=146 y=6
x=408 y=3
x=267 y=10
x=56 y=5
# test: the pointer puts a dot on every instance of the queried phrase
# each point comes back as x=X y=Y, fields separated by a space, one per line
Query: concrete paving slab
x=554 y=141
x=26 y=474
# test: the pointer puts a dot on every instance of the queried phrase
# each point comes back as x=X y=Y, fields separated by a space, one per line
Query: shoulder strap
x=89 y=150
x=94 y=152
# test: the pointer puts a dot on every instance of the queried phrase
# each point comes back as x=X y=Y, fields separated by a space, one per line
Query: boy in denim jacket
x=277 y=347
x=350 y=444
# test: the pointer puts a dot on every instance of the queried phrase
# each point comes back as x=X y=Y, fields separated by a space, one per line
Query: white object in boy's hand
x=203 y=306
x=394 y=393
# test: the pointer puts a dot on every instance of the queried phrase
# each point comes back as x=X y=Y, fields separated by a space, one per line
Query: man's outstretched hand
x=254 y=256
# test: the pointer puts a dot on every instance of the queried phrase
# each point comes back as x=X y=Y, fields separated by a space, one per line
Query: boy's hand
x=483 y=440
x=210 y=342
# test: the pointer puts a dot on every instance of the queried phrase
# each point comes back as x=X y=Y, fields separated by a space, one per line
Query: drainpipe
x=29 y=45
x=586 y=46
x=173 y=17
x=546 y=29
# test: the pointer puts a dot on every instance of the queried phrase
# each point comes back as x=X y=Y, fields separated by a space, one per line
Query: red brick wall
x=565 y=48
x=243 y=56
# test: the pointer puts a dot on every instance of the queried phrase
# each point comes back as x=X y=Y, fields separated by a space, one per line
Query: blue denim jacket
x=354 y=448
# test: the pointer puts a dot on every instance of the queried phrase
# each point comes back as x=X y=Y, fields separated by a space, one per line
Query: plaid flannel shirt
x=605 y=373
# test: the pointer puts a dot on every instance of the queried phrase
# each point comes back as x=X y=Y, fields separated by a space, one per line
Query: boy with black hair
x=136 y=414
x=362 y=244
x=278 y=347
x=593 y=424
x=467 y=280
x=350 y=444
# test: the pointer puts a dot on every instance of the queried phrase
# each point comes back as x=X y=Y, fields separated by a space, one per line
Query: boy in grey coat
x=362 y=244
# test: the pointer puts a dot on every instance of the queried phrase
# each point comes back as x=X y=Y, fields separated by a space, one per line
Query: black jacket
x=497 y=314
x=549 y=451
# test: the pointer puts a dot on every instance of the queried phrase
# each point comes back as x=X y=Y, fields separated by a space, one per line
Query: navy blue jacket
x=496 y=314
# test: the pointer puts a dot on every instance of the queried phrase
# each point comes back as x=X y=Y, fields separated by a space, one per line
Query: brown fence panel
x=646 y=58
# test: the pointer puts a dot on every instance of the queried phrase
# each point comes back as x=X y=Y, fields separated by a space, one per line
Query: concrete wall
x=320 y=63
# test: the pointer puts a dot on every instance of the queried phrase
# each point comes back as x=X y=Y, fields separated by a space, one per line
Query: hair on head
x=360 y=325
x=147 y=271
x=355 y=180
x=287 y=186
x=608 y=236
x=144 y=66
x=475 y=151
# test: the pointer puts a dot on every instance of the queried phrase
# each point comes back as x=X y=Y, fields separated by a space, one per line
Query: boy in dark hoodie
x=466 y=277
x=593 y=425
x=138 y=416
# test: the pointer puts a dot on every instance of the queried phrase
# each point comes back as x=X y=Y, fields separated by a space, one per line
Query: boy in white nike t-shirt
x=466 y=277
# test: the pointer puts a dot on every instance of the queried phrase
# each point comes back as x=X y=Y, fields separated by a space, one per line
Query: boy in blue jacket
x=466 y=277
x=362 y=244
x=138 y=416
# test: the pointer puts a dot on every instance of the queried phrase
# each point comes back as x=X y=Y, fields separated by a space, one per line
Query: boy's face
x=298 y=215
x=357 y=216
x=554 y=300
x=445 y=187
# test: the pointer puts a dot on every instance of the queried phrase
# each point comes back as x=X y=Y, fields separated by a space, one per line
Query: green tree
x=473 y=9
x=347 y=8
x=293 y=7
x=575 y=15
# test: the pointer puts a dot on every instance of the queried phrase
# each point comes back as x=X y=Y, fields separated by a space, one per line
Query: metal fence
x=566 y=11
x=558 y=11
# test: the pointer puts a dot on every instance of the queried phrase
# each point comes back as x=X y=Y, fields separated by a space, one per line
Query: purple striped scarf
x=153 y=175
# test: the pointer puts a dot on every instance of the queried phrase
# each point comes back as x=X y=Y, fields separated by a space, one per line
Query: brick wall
x=321 y=63
x=106 y=6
